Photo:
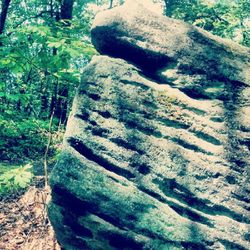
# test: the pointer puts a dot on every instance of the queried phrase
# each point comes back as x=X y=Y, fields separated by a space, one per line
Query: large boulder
x=154 y=42
x=170 y=50
x=151 y=161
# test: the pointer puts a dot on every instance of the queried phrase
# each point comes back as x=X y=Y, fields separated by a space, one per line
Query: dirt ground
x=23 y=220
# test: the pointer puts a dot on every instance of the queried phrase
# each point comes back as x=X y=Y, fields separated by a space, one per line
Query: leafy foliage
x=15 y=179
x=229 y=19
x=41 y=58
x=22 y=139
x=39 y=62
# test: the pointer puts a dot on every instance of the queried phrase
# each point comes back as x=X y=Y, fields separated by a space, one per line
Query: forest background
x=44 y=46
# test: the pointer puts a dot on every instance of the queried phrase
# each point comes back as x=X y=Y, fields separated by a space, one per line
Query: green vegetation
x=22 y=139
x=225 y=18
x=44 y=46
x=14 y=179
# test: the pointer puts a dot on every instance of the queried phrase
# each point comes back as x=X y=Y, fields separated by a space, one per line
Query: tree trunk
x=110 y=4
x=61 y=105
x=3 y=17
x=53 y=101
x=67 y=9
x=63 y=92
x=170 y=6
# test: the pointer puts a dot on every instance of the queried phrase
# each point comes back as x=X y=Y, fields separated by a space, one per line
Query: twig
x=47 y=150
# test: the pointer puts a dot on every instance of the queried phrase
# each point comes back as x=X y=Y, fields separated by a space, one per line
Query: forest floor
x=23 y=220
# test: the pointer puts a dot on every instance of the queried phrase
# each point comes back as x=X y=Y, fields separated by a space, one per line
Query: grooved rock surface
x=156 y=42
x=153 y=161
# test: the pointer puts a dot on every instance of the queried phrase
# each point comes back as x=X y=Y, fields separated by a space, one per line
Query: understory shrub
x=15 y=179
x=22 y=139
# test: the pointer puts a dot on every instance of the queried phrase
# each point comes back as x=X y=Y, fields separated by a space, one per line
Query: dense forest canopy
x=44 y=45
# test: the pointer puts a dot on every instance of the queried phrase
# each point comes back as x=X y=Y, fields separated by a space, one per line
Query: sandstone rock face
x=156 y=152
x=155 y=42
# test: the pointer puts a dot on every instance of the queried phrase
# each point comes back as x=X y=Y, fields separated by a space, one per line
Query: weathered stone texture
x=149 y=161
x=154 y=42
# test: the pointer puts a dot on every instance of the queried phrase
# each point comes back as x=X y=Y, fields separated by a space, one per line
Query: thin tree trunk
x=44 y=104
x=61 y=105
x=67 y=9
x=47 y=150
x=169 y=7
x=63 y=92
x=53 y=99
x=110 y=4
x=44 y=96
x=3 y=17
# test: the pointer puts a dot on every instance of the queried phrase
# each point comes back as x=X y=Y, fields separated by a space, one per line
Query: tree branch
x=32 y=17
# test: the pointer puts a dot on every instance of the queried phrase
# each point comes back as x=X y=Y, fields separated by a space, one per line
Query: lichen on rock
x=150 y=162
